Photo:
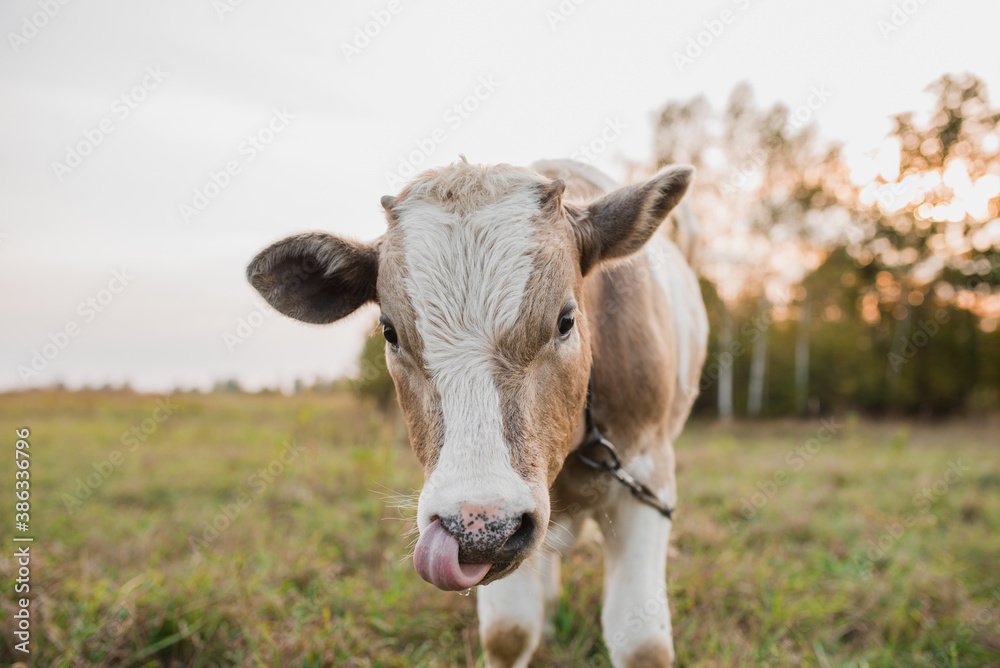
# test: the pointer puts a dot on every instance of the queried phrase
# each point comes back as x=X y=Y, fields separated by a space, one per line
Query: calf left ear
x=621 y=222
x=316 y=277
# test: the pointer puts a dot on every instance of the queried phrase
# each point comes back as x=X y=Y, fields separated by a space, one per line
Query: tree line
x=872 y=286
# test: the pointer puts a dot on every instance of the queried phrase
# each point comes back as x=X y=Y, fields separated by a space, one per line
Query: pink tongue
x=436 y=560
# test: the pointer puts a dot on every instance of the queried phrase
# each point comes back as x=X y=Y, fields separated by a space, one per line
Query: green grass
x=313 y=570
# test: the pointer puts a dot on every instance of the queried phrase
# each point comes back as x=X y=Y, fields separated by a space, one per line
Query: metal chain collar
x=612 y=462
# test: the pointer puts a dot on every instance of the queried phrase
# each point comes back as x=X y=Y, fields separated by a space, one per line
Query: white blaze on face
x=466 y=278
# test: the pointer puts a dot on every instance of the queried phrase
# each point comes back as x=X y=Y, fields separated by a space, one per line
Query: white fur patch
x=636 y=609
x=517 y=601
x=678 y=282
x=467 y=272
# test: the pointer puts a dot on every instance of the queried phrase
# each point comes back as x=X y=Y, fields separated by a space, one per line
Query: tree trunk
x=726 y=363
x=758 y=364
x=802 y=360
x=897 y=357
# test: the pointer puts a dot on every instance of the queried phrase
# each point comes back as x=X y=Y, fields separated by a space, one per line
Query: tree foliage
x=898 y=274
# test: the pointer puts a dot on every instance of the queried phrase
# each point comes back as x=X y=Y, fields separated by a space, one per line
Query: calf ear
x=316 y=277
x=619 y=223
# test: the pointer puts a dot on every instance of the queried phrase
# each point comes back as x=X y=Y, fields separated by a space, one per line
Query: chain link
x=595 y=439
x=614 y=467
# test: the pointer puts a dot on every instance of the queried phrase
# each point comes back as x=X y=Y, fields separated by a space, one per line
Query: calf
x=505 y=294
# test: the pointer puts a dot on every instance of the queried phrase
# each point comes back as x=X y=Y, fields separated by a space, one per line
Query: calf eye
x=389 y=332
x=566 y=322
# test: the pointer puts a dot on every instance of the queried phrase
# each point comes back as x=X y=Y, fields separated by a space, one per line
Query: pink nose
x=486 y=533
x=474 y=518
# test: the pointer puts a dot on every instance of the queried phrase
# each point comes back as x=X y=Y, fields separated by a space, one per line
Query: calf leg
x=511 y=616
x=636 y=615
x=516 y=611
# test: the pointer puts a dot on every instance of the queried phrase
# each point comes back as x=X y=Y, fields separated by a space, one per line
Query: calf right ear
x=619 y=223
x=316 y=277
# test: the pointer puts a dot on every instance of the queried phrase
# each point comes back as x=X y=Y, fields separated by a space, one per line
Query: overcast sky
x=121 y=255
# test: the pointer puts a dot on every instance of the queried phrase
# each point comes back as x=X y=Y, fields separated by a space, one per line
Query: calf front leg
x=516 y=611
x=511 y=615
x=636 y=614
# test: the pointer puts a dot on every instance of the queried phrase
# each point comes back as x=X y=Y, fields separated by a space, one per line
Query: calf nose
x=486 y=534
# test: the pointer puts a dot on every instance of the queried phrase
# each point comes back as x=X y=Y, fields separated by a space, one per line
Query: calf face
x=479 y=278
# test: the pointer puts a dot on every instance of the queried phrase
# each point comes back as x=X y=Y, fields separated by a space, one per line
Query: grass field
x=878 y=547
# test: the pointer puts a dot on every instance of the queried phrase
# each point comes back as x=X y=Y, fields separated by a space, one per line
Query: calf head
x=479 y=277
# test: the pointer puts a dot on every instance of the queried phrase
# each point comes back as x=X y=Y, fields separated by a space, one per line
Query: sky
x=149 y=150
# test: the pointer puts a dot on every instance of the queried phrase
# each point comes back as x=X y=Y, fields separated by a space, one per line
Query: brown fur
x=546 y=399
x=416 y=394
x=652 y=654
x=505 y=644
x=633 y=363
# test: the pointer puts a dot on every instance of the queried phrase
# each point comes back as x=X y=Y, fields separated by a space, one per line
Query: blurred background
x=848 y=195
x=848 y=181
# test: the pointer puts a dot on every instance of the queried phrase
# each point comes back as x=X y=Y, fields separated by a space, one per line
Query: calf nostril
x=518 y=541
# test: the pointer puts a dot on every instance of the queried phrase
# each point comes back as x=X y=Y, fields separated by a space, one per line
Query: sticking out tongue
x=436 y=560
